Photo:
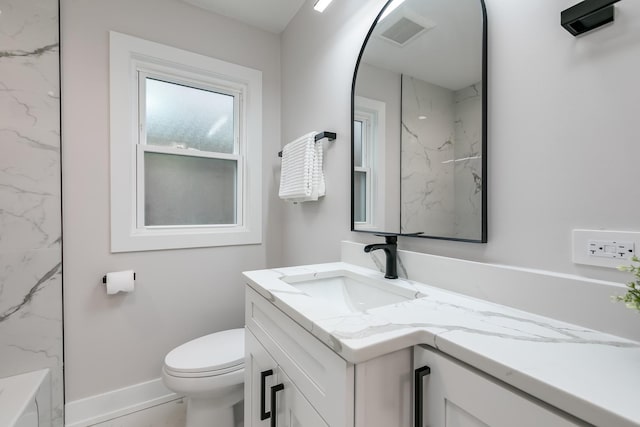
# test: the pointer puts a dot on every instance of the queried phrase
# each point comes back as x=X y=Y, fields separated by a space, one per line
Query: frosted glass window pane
x=357 y=143
x=183 y=190
x=186 y=117
x=360 y=196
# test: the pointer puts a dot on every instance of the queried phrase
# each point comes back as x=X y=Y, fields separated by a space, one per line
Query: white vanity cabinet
x=273 y=392
x=450 y=394
x=292 y=374
x=346 y=365
x=320 y=388
x=317 y=383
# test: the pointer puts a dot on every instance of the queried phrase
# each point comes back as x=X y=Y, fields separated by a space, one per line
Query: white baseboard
x=117 y=403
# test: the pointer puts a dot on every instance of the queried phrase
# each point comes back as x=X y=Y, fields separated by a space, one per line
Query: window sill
x=181 y=238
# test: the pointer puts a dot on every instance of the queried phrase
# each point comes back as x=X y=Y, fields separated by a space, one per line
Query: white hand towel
x=299 y=164
x=318 y=182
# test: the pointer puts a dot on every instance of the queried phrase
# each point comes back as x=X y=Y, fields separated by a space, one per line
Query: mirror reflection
x=419 y=122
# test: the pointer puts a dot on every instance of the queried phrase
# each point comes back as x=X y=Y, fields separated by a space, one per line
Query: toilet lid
x=212 y=352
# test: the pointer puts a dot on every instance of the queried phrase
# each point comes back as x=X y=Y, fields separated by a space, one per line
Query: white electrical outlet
x=604 y=248
x=611 y=249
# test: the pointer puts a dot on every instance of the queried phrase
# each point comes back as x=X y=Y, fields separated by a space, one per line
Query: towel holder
x=331 y=136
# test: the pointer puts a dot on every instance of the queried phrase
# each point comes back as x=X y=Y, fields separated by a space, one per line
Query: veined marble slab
x=589 y=374
x=30 y=214
x=441 y=160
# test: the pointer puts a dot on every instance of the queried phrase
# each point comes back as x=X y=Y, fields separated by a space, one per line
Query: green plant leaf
x=632 y=297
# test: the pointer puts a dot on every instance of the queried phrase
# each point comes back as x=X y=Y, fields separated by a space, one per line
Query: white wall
x=319 y=54
x=115 y=341
x=563 y=136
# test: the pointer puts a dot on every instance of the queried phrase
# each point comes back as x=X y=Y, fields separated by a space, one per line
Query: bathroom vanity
x=338 y=345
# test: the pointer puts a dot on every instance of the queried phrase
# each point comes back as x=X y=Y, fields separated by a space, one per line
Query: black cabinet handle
x=263 y=377
x=274 y=414
x=420 y=373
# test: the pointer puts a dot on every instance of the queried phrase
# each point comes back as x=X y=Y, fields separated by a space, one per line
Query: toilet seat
x=211 y=355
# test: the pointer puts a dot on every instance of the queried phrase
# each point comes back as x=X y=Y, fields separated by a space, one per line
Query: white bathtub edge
x=17 y=392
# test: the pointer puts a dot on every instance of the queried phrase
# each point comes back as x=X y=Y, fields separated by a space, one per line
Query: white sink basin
x=350 y=292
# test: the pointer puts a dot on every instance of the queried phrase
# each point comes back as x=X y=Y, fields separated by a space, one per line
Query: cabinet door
x=295 y=409
x=454 y=395
x=260 y=374
x=267 y=387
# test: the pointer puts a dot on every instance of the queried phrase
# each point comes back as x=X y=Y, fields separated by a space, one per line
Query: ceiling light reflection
x=393 y=6
x=321 y=5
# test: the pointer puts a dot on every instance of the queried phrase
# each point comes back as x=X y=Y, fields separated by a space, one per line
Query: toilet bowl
x=209 y=372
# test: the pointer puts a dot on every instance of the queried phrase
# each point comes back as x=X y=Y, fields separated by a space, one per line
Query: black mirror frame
x=484 y=233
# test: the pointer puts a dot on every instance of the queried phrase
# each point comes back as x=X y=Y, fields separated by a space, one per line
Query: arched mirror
x=419 y=122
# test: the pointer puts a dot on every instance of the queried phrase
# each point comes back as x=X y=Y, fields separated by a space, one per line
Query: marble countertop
x=592 y=375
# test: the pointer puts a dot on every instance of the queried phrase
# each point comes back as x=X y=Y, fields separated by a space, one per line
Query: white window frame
x=131 y=59
x=142 y=148
x=372 y=114
x=366 y=151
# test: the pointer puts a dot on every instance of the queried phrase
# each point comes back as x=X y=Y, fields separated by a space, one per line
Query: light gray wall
x=116 y=341
x=318 y=58
x=563 y=135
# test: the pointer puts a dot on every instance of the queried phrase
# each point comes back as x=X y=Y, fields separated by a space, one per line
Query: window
x=188 y=156
x=362 y=168
x=185 y=149
x=369 y=164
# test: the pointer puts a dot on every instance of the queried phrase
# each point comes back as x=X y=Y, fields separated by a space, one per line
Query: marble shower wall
x=441 y=142
x=468 y=164
x=30 y=204
x=427 y=181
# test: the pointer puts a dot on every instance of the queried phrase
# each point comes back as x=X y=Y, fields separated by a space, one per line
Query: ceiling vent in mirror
x=404 y=30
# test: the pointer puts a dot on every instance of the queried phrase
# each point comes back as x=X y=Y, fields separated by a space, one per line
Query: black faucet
x=390 y=248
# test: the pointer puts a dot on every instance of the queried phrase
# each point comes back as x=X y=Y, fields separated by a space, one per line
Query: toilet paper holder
x=104 y=278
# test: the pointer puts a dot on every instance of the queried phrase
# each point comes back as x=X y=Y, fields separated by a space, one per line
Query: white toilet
x=209 y=372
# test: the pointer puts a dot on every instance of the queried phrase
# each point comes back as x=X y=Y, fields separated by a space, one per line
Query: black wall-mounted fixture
x=587 y=15
x=322 y=135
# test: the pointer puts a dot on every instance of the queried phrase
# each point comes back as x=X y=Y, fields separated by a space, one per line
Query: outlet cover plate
x=583 y=241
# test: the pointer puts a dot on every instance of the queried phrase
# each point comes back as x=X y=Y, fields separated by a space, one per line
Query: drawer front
x=325 y=379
